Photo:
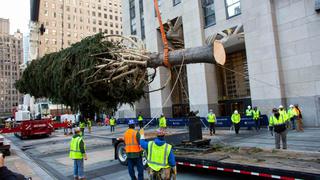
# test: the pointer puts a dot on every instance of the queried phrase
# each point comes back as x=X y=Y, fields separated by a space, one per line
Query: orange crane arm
x=163 y=36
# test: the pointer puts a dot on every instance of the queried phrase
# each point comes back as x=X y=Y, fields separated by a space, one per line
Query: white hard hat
x=249 y=107
x=77 y=129
x=291 y=106
x=210 y=110
x=280 y=106
x=236 y=111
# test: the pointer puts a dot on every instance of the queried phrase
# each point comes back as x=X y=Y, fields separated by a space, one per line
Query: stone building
x=11 y=56
x=272 y=51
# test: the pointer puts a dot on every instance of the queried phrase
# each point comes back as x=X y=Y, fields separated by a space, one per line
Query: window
x=94 y=29
x=105 y=16
x=110 y=16
x=100 y=22
x=93 y=13
x=99 y=14
x=46 y=12
x=133 y=27
x=94 y=21
x=175 y=2
x=208 y=12
x=141 y=19
x=233 y=8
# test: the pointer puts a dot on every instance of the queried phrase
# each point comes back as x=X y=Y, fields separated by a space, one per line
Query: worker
x=161 y=159
x=256 y=117
x=70 y=126
x=299 y=117
x=278 y=123
x=211 y=118
x=236 y=118
x=292 y=115
x=89 y=122
x=140 y=120
x=65 y=129
x=283 y=112
x=112 y=124
x=249 y=111
x=162 y=122
x=82 y=127
x=133 y=151
x=78 y=154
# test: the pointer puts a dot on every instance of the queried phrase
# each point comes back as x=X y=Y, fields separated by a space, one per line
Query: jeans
x=212 y=129
x=135 y=162
x=257 y=123
x=283 y=137
x=293 y=123
x=112 y=128
x=141 y=124
x=78 y=168
x=65 y=130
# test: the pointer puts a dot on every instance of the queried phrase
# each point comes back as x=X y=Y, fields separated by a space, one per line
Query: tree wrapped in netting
x=94 y=74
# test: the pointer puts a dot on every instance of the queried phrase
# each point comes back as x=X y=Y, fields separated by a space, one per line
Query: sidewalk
x=18 y=162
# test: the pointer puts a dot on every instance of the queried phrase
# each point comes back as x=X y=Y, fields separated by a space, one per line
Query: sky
x=18 y=13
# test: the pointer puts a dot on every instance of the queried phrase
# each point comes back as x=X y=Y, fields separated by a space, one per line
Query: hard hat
x=291 y=106
x=236 y=111
x=249 y=107
x=210 y=110
x=160 y=132
x=77 y=129
x=131 y=121
x=280 y=107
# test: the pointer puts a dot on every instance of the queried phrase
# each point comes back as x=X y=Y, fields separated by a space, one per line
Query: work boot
x=75 y=178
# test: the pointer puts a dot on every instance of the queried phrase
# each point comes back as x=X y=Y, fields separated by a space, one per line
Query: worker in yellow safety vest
x=78 y=154
x=236 y=118
x=161 y=159
x=249 y=112
x=112 y=124
x=89 y=122
x=82 y=127
x=256 y=117
x=211 y=120
x=162 y=122
x=140 y=120
x=277 y=122
x=292 y=115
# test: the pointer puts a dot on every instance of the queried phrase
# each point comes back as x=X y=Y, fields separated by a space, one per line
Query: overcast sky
x=18 y=13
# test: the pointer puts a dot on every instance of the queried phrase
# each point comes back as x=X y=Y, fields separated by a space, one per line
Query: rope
x=168 y=97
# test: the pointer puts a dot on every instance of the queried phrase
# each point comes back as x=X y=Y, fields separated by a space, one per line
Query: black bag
x=280 y=128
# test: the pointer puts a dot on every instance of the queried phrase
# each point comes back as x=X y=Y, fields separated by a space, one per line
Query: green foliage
x=62 y=77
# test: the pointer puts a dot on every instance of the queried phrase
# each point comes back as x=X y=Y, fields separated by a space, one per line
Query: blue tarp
x=223 y=121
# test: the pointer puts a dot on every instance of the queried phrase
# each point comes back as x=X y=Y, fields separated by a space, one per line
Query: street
x=51 y=154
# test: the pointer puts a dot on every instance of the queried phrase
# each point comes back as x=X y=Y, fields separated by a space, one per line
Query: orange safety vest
x=131 y=142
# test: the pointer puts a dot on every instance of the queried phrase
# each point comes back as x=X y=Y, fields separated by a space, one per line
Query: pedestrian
x=78 y=154
x=82 y=127
x=292 y=116
x=161 y=159
x=133 y=151
x=65 y=129
x=211 y=118
x=112 y=124
x=236 y=118
x=107 y=120
x=89 y=122
x=6 y=174
x=249 y=111
x=70 y=126
x=278 y=123
x=256 y=117
x=299 y=118
x=162 y=122
x=140 y=120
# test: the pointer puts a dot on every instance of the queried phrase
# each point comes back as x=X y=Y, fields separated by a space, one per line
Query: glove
x=141 y=133
x=174 y=170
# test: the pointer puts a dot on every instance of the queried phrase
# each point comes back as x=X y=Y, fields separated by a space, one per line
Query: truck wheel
x=121 y=153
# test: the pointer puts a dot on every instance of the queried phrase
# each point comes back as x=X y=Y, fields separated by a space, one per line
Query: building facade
x=65 y=22
x=11 y=56
x=272 y=52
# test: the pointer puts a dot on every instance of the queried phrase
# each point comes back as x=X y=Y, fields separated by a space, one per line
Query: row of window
x=53 y=5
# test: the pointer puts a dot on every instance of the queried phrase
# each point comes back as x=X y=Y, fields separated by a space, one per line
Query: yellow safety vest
x=82 y=125
x=284 y=114
x=140 y=118
x=235 y=118
x=89 y=123
x=273 y=121
x=158 y=156
x=249 y=112
x=112 y=122
x=256 y=114
x=162 y=122
x=75 y=152
x=211 y=118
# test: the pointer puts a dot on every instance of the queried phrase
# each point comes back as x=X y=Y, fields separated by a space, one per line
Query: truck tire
x=121 y=153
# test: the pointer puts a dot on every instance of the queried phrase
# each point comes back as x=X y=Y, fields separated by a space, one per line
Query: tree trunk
x=205 y=54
